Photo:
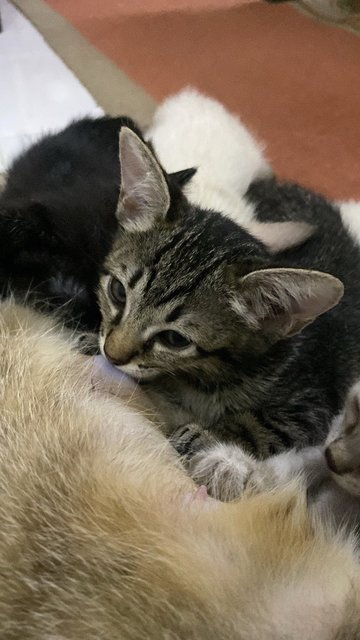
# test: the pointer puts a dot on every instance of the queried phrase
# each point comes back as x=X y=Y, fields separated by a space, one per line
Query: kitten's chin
x=138 y=374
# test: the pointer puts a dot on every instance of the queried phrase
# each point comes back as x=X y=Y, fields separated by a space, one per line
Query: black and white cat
x=228 y=331
x=203 y=133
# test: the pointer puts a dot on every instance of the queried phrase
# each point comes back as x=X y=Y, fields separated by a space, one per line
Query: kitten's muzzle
x=120 y=360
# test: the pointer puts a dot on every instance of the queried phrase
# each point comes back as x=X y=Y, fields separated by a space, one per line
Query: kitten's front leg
x=223 y=468
x=227 y=470
x=307 y=464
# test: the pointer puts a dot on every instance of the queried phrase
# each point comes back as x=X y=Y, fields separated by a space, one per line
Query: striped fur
x=249 y=374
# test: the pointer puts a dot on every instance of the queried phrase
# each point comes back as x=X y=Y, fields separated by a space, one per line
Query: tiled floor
x=38 y=93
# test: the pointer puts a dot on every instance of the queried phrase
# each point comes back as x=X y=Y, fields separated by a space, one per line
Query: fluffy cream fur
x=102 y=536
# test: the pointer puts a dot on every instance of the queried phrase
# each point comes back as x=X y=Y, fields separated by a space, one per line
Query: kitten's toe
x=190 y=439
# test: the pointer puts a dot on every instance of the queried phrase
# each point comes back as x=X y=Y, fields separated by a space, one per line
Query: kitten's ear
x=144 y=193
x=282 y=302
x=279 y=236
x=182 y=177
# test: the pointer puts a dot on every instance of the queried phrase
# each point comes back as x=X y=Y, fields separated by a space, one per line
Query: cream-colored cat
x=103 y=535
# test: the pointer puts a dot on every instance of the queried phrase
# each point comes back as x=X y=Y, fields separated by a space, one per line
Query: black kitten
x=57 y=217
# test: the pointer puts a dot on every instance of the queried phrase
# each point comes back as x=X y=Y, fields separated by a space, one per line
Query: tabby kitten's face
x=185 y=290
x=166 y=303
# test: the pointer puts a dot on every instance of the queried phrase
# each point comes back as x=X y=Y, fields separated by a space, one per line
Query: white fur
x=350 y=214
x=293 y=463
x=224 y=469
x=194 y=130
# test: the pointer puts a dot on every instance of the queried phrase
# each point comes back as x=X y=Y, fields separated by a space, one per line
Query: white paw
x=263 y=478
x=223 y=469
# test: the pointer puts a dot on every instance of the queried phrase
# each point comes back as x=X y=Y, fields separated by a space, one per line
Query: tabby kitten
x=216 y=326
x=57 y=217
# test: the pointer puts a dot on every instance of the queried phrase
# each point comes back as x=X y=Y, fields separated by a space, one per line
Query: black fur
x=319 y=365
x=57 y=217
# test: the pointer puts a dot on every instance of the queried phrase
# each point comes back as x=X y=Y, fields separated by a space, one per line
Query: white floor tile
x=38 y=93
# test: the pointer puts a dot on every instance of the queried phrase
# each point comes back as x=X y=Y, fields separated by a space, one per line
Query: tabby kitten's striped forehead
x=184 y=289
x=166 y=294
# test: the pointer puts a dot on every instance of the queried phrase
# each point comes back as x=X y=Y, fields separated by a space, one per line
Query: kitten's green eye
x=173 y=339
x=117 y=292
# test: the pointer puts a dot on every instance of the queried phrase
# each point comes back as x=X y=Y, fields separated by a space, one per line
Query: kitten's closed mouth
x=138 y=372
x=108 y=377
